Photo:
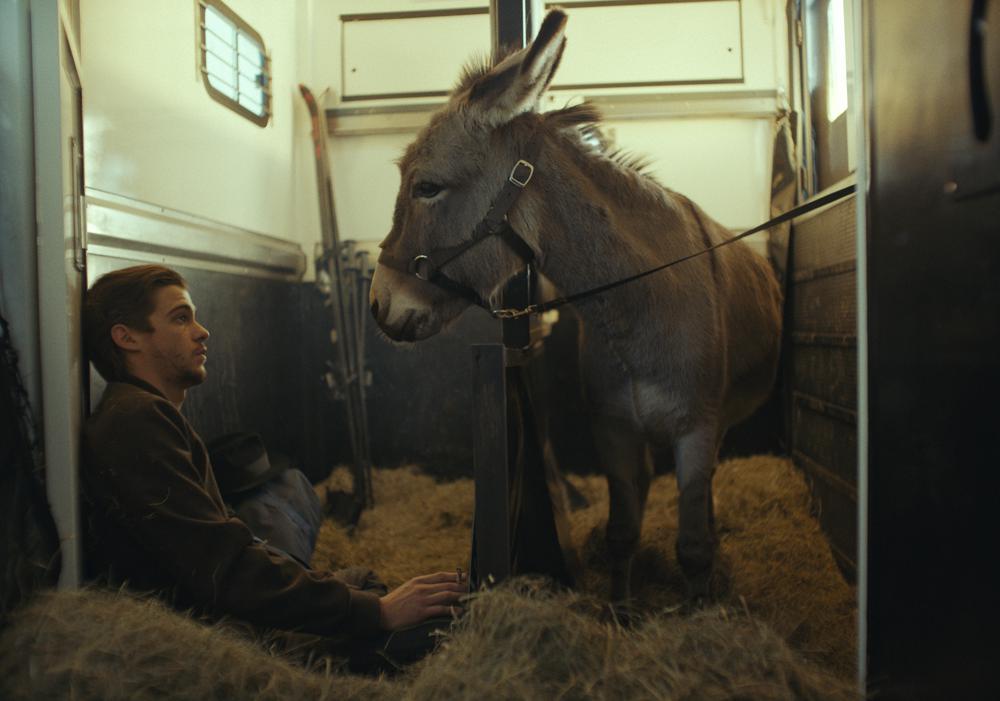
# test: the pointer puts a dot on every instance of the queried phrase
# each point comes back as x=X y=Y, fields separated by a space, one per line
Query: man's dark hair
x=121 y=297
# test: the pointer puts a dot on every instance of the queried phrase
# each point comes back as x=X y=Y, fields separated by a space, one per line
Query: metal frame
x=491 y=535
x=214 y=93
x=120 y=227
x=861 y=116
x=410 y=118
x=60 y=298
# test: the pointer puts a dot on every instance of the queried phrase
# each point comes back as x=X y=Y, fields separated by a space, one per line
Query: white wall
x=153 y=133
x=710 y=141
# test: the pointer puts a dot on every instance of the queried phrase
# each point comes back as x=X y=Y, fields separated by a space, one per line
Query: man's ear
x=124 y=338
x=515 y=84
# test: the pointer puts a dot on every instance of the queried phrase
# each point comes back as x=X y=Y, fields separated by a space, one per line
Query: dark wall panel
x=934 y=322
x=826 y=304
x=828 y=438
x=827 y=371
x=420 y=398
x=268 y=351
x=260 y=362
x=822 y=370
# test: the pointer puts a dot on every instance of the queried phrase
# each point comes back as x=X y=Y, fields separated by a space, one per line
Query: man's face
x=174 y=351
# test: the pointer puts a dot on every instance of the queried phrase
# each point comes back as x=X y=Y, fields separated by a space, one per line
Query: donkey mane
x=583 y=121
x=586 y=120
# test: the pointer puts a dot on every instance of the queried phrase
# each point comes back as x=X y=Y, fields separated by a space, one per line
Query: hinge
x=799 y=34
x=79 y=211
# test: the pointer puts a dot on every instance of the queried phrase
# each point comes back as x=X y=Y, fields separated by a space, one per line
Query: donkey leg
x=629 y=469
x=696 y=455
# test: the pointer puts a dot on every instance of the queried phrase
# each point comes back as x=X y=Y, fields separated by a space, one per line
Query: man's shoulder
x=125 y=406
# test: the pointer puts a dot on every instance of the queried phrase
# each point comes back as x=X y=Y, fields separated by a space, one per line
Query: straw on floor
x=783 y=630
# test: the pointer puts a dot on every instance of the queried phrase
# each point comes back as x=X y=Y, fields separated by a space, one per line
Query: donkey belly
x=656 y=405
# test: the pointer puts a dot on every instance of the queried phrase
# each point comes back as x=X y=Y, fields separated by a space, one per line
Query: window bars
x=234 y=64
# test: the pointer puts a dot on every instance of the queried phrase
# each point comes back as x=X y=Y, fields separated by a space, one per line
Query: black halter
x=427 y=266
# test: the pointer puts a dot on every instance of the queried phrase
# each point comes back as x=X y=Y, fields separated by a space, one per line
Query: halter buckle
x=422 y=267
x=527 y=170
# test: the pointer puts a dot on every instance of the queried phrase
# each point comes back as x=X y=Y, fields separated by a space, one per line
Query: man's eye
x=425 y=189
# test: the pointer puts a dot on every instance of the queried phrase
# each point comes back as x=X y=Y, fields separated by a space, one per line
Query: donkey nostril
x=375 y=309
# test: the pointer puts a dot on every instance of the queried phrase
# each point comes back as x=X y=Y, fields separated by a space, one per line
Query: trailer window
x=234 y=63
x=829 y=71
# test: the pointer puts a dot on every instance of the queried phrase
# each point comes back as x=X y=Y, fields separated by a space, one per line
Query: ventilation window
x=234 y=62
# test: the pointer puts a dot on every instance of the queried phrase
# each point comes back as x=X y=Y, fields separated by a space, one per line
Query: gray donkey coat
x=671 y=360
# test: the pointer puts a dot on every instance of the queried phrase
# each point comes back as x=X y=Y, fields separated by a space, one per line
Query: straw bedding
x=783 y=628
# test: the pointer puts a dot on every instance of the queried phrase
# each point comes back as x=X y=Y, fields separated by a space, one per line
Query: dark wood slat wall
x=265 y=364
x=823 y=371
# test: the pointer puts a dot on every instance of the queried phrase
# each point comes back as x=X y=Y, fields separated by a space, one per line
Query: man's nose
x=203 y=333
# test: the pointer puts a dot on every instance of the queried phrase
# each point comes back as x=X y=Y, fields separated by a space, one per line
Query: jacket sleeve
x=149 y=479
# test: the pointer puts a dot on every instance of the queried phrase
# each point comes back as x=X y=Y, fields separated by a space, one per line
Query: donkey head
x=449 y=177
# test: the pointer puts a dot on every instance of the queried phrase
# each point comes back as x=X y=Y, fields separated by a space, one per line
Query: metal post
x=491 y=539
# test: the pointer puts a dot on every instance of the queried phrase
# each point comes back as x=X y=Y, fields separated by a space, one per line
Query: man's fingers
x=439 y=577
x=433 y=611
x=443 y=597
x=445 y=586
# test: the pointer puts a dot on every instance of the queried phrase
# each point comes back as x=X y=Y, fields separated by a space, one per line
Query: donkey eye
x=425 y=189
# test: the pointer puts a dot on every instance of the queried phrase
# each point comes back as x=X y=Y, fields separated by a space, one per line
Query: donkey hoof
x=699 y=587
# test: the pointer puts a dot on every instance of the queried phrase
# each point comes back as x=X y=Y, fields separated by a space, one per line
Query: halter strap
x=427 y=266
x=781 y=218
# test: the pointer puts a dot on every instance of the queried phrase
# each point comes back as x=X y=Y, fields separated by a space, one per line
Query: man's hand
x=422 y=598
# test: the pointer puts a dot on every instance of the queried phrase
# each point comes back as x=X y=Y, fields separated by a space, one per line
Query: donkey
x=668 y=361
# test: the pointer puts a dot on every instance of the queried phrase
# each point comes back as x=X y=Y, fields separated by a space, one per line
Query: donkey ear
x=515 y=84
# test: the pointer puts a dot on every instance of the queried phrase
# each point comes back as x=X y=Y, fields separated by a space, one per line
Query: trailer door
x=59 y=230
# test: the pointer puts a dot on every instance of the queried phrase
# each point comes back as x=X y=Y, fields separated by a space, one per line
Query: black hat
x=240 y=462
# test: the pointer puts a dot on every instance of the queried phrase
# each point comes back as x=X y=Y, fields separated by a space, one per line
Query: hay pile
x=772 y=551
x=517 y=642
x=522 y=641
x=108 y=646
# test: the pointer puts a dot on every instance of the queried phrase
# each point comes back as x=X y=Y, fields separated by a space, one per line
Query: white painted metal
x=357 y=7
x=722 y=164
x=412 y=55
x=119 y=227
x=710 y=141
x=660 y=43
x=56 y=124
x=153 y=133
x=18 y=262
x=860 y=150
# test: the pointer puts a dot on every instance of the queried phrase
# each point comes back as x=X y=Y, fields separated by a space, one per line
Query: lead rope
x=781 y=218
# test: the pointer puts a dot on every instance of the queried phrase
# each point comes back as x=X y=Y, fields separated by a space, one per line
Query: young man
x=157 y=517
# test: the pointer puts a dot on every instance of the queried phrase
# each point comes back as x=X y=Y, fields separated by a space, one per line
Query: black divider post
x=491 y=552
x=518 y=527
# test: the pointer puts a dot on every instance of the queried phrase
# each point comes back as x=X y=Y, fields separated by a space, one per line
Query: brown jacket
x=158 y=521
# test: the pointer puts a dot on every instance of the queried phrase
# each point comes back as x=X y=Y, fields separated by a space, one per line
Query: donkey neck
x=595 y=220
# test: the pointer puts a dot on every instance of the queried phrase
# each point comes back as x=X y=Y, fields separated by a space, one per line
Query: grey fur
x=670 y=361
